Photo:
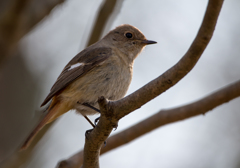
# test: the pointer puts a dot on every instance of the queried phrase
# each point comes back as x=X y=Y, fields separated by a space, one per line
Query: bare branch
x=164 y=117
x=114 y=110
x=178 y=71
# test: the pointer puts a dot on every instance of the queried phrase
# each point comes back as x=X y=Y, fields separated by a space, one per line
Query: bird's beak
x=148 y=42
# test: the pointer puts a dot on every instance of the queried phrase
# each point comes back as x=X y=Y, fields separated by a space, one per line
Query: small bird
x=103 y=69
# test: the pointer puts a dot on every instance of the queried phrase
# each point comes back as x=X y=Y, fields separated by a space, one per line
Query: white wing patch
x=75 y=66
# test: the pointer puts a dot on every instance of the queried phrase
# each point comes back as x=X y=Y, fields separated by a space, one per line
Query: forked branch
x=113 y=111
x=164 y=117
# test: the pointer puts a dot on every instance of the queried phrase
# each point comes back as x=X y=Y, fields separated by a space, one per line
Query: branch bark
x=164 y=117
x=112 y=111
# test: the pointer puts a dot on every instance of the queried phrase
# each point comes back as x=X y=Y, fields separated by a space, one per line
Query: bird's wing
x=77 y=67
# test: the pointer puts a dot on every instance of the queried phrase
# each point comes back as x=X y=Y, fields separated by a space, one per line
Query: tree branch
x=164 y=117
x=112 y=111
x=178 y=71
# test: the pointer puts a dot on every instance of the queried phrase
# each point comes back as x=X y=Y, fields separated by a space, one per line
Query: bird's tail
x=52 y=113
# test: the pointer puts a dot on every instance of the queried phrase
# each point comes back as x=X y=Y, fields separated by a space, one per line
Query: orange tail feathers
x=54 y=112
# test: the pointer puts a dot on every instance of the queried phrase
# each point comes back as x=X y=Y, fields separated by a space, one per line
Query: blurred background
x=36 y=60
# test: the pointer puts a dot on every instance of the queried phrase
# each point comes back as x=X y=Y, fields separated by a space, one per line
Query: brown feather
x=90 y=59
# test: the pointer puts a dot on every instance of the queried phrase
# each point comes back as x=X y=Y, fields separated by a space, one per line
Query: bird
x=103 y=69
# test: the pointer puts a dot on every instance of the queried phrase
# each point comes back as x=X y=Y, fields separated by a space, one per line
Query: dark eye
x=128 y=35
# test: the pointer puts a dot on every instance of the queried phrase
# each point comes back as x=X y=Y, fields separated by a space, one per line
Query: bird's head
x=128 y=39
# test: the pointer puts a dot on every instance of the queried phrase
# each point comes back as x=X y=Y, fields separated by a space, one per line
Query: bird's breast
x=110 y=79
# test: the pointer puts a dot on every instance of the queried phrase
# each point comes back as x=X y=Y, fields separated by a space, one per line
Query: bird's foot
x=96 y=120
x=87 y=133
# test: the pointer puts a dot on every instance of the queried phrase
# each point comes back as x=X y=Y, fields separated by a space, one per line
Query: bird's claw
x=96 y=121
x=105 y=143
x=88 y=132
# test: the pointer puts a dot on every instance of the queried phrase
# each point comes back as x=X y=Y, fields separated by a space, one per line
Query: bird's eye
x=128 y=35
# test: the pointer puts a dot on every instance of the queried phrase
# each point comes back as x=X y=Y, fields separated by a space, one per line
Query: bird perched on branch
x=102 y=69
